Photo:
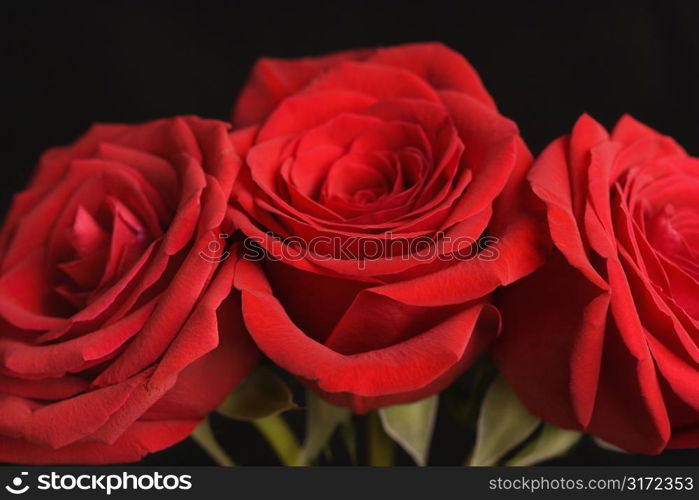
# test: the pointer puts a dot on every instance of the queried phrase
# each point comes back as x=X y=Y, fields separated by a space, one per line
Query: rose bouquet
x=367 y=239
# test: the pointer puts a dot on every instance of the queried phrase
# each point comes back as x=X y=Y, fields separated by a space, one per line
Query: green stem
x=467 y=462
x=379 y=444
x=281 y=438
x=204 y=436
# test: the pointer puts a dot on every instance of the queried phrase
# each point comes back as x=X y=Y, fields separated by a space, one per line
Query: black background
x=68 y=64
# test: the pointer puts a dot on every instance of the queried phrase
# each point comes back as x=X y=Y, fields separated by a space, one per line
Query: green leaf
x=380 y=446
x=608 y=446
x=322 y=419
x=349 y=437
x=260 y=395
x=503 y=423
x=411 y=426
x=552 y=442
x=204 y=437
x=280 y=437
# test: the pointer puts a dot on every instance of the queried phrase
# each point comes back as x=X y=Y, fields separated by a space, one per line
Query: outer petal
x=404 y=367
x=141 y=438
x=551 y=348
x=274 y=79
x=440 y=66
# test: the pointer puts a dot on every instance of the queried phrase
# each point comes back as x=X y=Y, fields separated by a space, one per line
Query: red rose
x=109 y=315
x=604 y=338
x=369 y=177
